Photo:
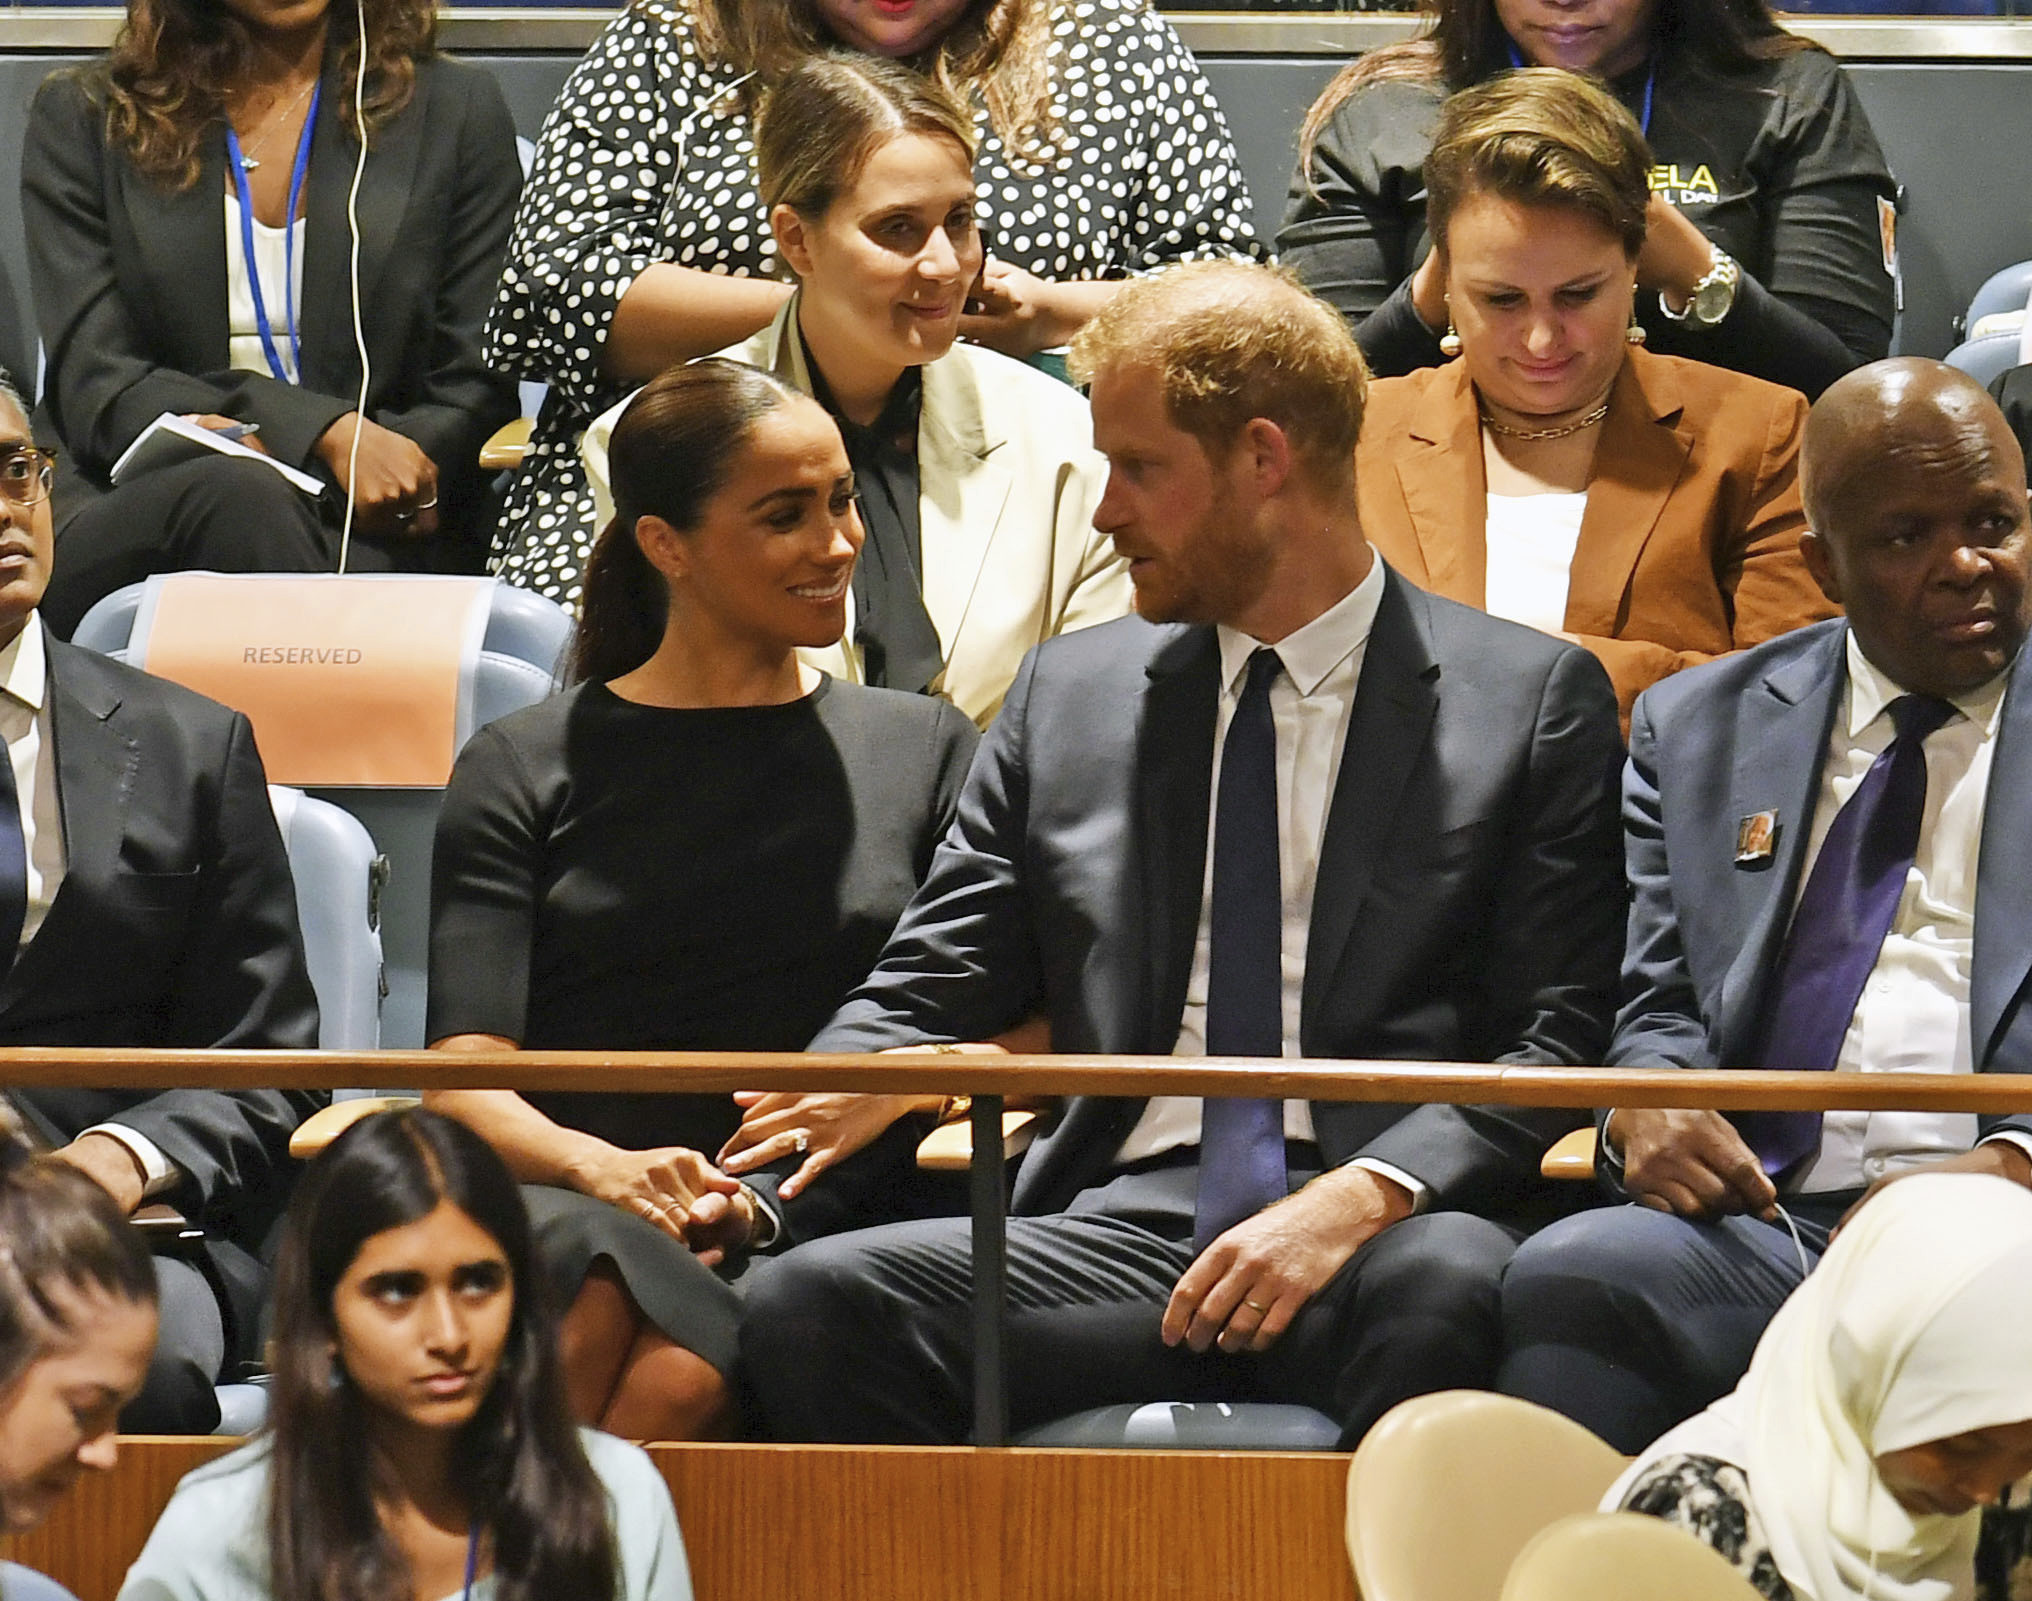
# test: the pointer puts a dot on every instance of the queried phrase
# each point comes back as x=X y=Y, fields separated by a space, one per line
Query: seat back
x=338 y=874
x=518 y=659
x=1446 y=1489
x=1621 y=1556
x=2007 y=289
x=1987 y=356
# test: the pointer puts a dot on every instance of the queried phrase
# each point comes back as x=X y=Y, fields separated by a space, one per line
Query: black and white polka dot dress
x=647 y=157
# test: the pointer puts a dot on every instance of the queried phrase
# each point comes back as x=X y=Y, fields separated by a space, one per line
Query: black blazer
x=1469 y=904
x=175 y=925
x=130 y=278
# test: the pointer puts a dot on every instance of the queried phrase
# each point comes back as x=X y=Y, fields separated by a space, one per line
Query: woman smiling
x=977 y=475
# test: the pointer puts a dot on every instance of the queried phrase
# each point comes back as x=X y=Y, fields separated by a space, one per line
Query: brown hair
x=164 y=83
x=1541 y=137
x=818 y=125
x=1231 y=341
x=1465 y=43
x=59 y=1231
x=999 y=49
x=671 y=451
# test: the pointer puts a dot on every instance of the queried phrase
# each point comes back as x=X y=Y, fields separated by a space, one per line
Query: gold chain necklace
x=247 y=151
x=1508 y=432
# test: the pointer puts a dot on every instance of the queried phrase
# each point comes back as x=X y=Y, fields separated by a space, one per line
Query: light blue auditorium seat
x=338 y=875
x=25 y=1584
x=520 y=652
x=1192 y=1426
x=2005 y=290
x=1984 y=359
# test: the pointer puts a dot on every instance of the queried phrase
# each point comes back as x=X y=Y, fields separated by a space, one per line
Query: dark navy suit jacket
x=1468 y=907
x=1749 y=734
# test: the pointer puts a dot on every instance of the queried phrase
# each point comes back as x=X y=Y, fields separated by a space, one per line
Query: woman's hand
x=831 y=1127
x=395 y=484
x=1676 y=254
x=671 y=1187
x=217 y=424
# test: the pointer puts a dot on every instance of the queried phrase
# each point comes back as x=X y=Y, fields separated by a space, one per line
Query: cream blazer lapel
x=963 y=489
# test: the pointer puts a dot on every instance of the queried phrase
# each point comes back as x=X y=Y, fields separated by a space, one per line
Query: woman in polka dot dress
x=642 y=240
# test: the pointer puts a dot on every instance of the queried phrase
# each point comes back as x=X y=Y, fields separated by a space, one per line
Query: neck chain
x=1560 y=432
x=247 y=160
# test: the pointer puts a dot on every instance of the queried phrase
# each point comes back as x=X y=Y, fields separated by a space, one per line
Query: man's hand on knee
x=1246 y=1287
x=1692 y=1163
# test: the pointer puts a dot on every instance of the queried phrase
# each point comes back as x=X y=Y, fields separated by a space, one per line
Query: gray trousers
x=866 y=1337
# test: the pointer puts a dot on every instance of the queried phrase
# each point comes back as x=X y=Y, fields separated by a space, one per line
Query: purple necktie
x=1847 y=908
x=1241 y=1145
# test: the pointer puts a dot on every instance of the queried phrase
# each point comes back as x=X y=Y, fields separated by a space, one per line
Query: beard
x=1215 y=572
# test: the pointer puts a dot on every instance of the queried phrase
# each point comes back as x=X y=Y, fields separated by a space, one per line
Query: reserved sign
x=349 y=681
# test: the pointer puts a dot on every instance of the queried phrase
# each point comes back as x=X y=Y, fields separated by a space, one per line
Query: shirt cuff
x=1419 y=1191
x=2010 y=1136
x=157 y=1173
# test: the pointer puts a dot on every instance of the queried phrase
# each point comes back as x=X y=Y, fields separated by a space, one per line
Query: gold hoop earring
x=1449 y=342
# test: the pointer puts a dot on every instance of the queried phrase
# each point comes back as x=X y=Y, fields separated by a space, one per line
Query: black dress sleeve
x=1354 y=222
x=954 y=738
x=486 y=869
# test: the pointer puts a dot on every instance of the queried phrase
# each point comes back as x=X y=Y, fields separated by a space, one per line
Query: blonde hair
x=999 y=49
x=1231 y=341
x=820 y=123
x=1541 y=136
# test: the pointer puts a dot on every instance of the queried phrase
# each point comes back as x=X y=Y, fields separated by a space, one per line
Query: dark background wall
x=1958 y=135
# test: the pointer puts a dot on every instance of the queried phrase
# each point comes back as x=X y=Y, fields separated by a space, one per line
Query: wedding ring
x=428 y=505
x=405 y=516
x=1257 y=1307
x=801 y=1142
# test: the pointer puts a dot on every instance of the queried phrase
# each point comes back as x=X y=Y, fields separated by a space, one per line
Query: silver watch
x=1712 y=297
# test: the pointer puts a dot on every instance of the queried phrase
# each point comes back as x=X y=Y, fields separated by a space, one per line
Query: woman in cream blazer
x=1007 y=474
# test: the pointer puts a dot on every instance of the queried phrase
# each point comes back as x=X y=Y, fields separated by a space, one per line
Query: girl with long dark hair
x=185 y=202
x=420 y=1445
x=77 y=1327
x=702 y=844
x=1771 y=242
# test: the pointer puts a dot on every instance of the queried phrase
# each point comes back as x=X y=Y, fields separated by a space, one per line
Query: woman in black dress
x=701 y=845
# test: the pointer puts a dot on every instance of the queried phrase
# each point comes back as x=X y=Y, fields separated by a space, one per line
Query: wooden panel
x=828 y=1523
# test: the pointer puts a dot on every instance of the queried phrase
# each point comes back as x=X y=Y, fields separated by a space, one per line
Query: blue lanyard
x=472 y=1560
x=296 y=176
x=1650 y=82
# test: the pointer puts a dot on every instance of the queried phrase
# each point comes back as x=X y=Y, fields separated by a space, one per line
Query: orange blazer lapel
x=1439 y=471
x=1637 y=464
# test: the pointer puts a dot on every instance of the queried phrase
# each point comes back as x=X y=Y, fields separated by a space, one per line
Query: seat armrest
x=949 y=1148
x=326 y=1124
x=1572 y=1157
x=505 y=447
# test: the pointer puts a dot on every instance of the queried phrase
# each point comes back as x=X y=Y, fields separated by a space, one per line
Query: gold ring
x=1257 y=1307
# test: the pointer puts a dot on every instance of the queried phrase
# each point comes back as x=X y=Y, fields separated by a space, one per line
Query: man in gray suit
x=1826 y=839
x=1297 y=807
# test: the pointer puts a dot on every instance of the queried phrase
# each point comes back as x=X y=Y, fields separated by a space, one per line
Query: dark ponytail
x=670 y=453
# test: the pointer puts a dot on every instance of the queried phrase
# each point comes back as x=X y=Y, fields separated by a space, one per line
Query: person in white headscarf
x=1870 y=1452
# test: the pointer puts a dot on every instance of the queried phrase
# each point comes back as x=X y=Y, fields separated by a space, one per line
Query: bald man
x=1827 y=845
x=1297 y=807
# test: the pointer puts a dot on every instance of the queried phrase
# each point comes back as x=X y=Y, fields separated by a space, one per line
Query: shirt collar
x=1310 y=653
x=24 y=670
x=1871 y=690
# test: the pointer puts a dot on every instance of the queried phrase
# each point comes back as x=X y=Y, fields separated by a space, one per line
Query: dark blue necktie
x=1846 y=909
x=13 y=864
x=1241 y=1149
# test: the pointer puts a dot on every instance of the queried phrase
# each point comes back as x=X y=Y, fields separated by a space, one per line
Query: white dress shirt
x=1309 y=706
x=281 y=286
x=1530 y=540
x=1913 y=1016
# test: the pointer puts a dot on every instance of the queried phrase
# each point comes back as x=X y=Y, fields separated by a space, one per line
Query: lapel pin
x=1756 y=835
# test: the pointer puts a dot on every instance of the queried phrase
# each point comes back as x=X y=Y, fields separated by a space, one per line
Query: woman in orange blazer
x=1556 y=473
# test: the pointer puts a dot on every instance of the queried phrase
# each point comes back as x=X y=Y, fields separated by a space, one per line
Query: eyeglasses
x=26 y=474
